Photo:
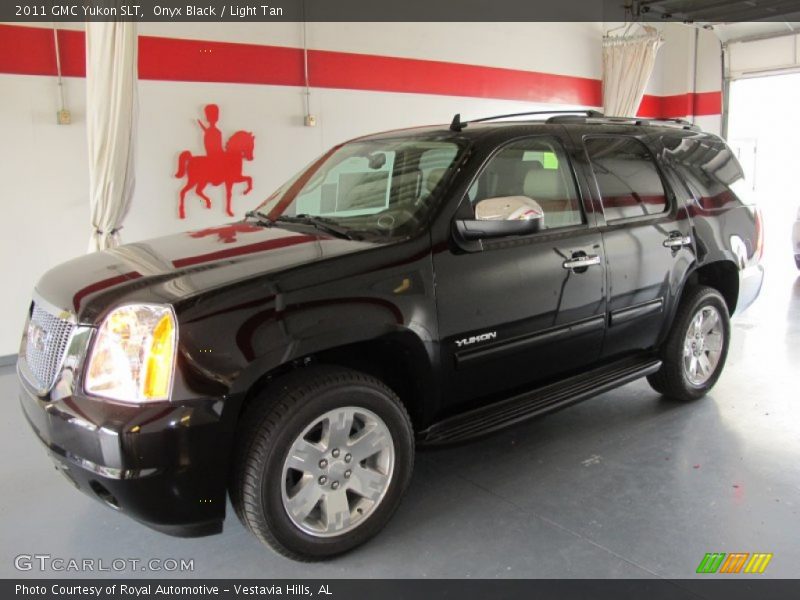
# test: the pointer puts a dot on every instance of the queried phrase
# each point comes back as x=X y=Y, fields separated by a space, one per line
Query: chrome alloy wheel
x=702 y=347
x=337 y=471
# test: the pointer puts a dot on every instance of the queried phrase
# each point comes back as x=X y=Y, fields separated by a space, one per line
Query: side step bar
x=522 y=407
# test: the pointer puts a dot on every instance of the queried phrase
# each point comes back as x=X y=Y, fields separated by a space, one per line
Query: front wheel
x=696 y=348
x=322 y=462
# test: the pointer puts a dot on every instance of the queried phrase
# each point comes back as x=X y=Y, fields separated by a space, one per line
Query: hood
x=175 y=267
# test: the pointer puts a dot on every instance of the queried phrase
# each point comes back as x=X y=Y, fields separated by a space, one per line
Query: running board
x=522 y=407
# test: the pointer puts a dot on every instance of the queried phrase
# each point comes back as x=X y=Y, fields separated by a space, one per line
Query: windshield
x=385 y=188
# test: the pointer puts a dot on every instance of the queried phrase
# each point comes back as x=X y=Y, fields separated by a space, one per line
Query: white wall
x=44 y=166
x=680 y=72
x=45 y=189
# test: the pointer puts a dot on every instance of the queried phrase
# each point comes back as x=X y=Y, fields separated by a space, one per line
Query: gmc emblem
x=37 y=337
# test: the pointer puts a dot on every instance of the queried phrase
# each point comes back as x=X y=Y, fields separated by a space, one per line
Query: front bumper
x=164 y=465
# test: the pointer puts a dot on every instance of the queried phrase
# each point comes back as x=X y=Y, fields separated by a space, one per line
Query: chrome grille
x=47 y=338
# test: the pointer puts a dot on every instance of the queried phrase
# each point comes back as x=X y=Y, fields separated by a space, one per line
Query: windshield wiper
x=260 y=217
x=321 y=223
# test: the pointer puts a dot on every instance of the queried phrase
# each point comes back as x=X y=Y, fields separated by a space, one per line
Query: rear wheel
x=696 y=348
x=322 y=462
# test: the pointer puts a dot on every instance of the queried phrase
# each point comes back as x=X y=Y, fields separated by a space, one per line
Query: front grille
x=47 y=340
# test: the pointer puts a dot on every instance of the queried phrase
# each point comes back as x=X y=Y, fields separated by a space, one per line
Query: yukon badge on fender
x=483 y=337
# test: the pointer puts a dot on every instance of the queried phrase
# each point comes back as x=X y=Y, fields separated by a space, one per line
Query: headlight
x=133 y=354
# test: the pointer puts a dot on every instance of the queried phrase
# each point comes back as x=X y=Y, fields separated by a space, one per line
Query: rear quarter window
x=710 y=171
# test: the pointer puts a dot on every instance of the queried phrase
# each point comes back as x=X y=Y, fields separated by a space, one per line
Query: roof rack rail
x=457 y=124
x=643 y=121
x=683 y=122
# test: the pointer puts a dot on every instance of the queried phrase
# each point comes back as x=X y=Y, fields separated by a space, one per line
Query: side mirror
x=502 y=216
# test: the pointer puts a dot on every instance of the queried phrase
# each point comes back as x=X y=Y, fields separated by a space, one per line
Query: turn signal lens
x=158 y=373
x=133 y=355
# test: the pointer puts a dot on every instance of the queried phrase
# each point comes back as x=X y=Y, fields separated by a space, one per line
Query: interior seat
x=547 y=187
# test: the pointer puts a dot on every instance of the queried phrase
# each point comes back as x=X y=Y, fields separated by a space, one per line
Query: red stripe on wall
x=30 y=50
x=681 y=105
x=708 y=103
x=650 y=107
x=392 y=74
x=170 y=59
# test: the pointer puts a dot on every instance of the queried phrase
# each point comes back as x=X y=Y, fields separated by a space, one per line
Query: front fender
x=230 y=341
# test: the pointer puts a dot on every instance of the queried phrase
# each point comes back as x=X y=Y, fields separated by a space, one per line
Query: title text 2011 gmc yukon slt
x=421 y=286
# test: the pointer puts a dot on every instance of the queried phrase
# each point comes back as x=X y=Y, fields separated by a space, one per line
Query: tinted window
x=627 y=177
x=709 y=169
x=538 y=169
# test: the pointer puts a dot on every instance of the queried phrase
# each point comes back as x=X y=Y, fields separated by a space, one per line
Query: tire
x=676 y=379
x=296 y=422
x=797 y=260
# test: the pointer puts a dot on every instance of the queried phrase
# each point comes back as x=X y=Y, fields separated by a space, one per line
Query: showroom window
x=627 y=177
x=538 y=169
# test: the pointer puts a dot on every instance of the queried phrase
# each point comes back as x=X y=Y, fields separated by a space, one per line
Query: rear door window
x=627 y=177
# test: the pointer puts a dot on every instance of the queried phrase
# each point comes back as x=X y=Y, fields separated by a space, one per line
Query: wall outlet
x=311 y=121
x=64 y=117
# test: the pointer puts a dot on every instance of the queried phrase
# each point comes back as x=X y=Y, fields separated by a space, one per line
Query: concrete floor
x=625 y=485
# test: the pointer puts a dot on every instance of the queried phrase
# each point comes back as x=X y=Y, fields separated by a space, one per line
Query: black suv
x=423 y=286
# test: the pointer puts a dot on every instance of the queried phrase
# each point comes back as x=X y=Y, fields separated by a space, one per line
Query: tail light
x=759 y=252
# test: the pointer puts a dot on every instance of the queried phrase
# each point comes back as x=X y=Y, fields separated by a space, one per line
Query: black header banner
x=306 y=10
x=37 y=11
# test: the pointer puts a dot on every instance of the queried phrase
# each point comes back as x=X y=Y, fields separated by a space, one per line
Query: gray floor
x=626 y=485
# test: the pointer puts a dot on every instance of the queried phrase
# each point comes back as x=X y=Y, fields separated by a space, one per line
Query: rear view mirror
x=502 y=216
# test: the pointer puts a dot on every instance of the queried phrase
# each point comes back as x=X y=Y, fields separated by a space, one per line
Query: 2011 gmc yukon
x=422 y=286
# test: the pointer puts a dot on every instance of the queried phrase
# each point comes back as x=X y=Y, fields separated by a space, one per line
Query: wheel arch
x=722 y=275
x=401 y=360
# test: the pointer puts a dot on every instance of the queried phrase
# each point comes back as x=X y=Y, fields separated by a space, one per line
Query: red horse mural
x=219 y=165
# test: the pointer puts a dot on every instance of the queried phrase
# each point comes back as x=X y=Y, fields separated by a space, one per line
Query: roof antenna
x=456 y=124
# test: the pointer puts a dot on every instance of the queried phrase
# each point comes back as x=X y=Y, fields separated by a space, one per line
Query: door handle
x=677 y=240
x=581 y=261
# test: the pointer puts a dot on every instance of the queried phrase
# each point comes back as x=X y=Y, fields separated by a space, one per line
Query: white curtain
x=111 y=108
x=628 y=62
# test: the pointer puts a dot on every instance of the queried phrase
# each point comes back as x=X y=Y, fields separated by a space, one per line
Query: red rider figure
x=212 y=136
